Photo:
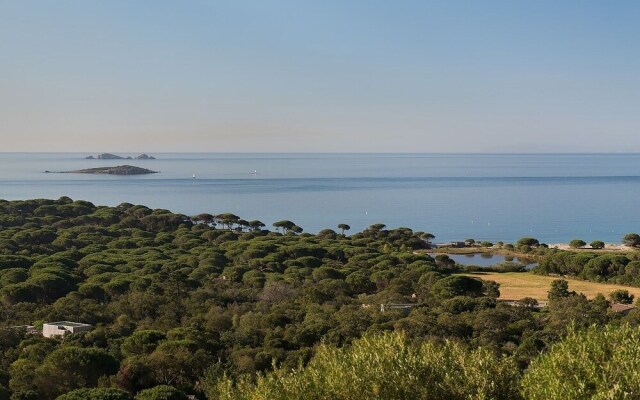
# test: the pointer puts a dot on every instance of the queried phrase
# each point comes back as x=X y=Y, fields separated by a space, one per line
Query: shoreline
x=610 y=248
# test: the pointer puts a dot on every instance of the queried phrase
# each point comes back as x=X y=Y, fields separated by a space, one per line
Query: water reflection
x=488 y=260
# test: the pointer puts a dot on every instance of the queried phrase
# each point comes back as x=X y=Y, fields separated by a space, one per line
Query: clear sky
x=316 y=76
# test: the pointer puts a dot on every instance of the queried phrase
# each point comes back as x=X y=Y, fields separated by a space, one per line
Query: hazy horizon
x=319 y=77
x=130 y=152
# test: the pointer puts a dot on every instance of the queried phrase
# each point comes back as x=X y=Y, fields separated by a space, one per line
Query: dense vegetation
x=619 y=267
x=594 y=364
x=386 y=367
x=204 y=305
x=613 y=268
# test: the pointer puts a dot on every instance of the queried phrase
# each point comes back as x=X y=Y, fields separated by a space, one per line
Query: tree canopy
x=197 y=305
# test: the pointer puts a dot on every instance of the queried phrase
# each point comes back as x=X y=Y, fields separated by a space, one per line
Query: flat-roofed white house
x=61 y=328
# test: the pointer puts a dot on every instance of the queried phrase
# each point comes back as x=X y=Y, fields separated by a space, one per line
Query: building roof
x=617 y=307
x=67 y=323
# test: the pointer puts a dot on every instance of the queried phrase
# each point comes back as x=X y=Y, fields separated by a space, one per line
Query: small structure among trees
x=404 y=308
x=61 y=328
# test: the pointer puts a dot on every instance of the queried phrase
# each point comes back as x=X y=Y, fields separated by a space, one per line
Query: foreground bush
x=600 y=363
x=95 y=394
x=385 y=367
x=162 y=392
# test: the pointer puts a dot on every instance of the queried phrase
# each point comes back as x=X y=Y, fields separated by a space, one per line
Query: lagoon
x=488 y=260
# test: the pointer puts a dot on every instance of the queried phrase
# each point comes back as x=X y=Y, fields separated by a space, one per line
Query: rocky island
x=119 y=170
x=109 y=156
x=145 y=157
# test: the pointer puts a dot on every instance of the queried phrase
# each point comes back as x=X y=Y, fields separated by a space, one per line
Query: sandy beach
x=607 y=246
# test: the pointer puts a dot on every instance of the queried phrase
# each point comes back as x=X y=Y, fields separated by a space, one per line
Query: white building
x=61 y=328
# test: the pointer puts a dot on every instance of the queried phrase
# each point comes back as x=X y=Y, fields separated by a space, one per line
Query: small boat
x=194 y=176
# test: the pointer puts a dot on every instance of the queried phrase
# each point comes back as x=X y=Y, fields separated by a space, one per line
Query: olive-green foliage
x=142 y=342
x=184 y=301
x=621 y=296
x=527 y=241
x=631 y=239
x=13 y=261
x=68 y=368
x=599 y=363
x=162 y=392
x=95 y=394
x=577 y=243
x=616 y=268
x=385 y=367
x=457 y=286
x=559 y=288
x=25 y=394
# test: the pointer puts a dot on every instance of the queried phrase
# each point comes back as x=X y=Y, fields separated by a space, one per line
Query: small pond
x=487 y=260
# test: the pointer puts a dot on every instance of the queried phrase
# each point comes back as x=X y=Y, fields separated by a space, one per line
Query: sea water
x=553 y=197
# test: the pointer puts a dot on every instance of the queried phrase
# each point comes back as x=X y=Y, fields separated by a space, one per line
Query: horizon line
x=334 y=152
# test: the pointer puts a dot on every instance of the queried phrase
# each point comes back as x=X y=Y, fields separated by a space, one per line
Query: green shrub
x=600 y=363
x=95 y=394
x=162 y=392
x=577 y=243
x=142 y=342
x=385 y=367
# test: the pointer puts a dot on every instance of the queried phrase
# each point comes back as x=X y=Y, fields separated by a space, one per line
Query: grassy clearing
x=517 y=285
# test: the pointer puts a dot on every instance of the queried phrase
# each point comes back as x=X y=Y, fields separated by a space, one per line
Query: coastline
x=610 y=248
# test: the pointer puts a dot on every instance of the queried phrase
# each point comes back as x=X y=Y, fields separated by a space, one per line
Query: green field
x=517 y=285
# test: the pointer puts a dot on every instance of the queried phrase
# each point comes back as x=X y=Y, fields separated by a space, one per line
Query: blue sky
x=356 y=76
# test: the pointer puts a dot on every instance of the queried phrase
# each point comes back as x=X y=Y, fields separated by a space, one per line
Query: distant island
x=109 y=156
x=119 y=170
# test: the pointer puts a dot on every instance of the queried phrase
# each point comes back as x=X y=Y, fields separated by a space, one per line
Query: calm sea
x=554 y=197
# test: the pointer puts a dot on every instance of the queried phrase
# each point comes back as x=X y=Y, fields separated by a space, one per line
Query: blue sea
x=553 y=197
